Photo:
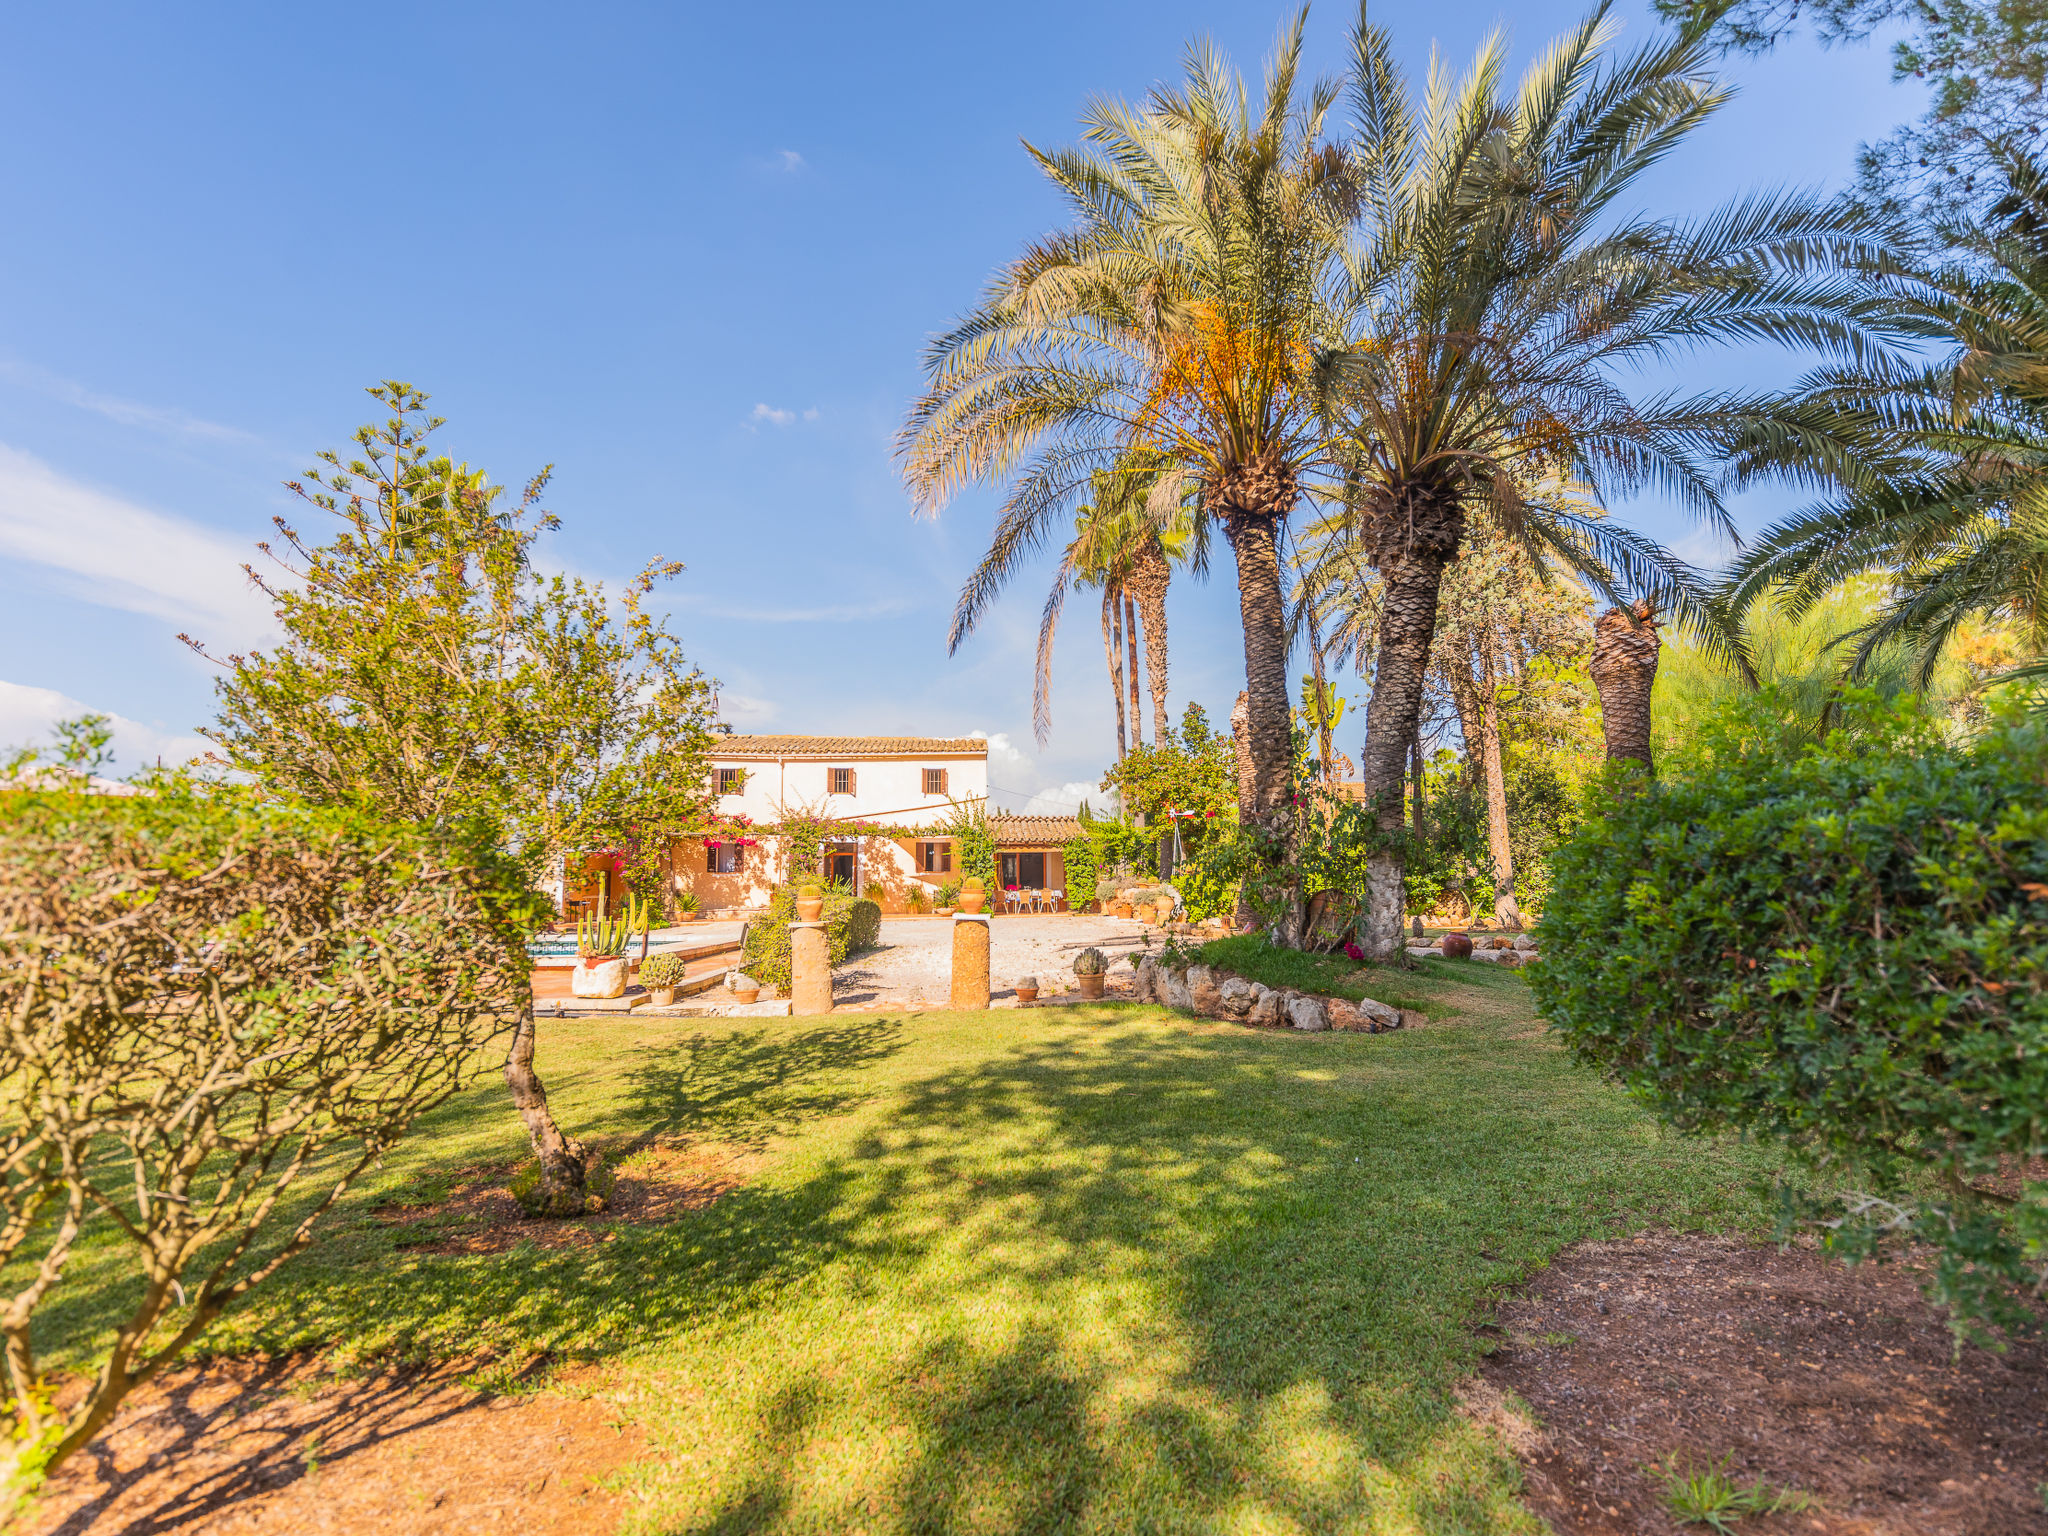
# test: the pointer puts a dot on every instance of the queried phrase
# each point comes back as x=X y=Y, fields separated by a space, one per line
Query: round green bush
x=661 y=970
x=1844 y=947
x=850 y=924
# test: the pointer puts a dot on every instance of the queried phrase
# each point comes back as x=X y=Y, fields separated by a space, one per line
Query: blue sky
x=687 y=254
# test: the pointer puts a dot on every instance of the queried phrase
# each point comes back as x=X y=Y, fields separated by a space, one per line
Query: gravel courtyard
x=913 y=965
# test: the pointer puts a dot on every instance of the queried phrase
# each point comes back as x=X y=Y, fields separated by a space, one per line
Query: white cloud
x=1016 y=784
x=118 y=555
x=26 y=715
x=127 y=413
x=1066 y=799
x=776 y=417
x=745 y=710
x=791 y=160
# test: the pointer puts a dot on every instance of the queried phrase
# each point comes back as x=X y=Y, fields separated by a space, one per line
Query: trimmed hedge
x=850 y=925
x=1844 y=948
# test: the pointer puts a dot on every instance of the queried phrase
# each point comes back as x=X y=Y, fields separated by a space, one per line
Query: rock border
x=1510 y=950
x=1209 y=992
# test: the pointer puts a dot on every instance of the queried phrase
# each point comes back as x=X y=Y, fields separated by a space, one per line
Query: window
x=935 y=858
x=732 y=781
x=839 y=781
x=935 y=781
x=725 y=859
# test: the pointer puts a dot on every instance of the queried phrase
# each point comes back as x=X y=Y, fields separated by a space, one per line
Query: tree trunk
x=1269 y=732
x=563 y=1159
x=1112 y=648
x=1506 y=912
x=1247 y=796
x=1625 y=646
x=1150 y=577
x=1131 y=648
x=1420 y=791
x=1413 y=577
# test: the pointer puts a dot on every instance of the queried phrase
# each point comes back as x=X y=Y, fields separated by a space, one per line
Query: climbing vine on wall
x=974 y=842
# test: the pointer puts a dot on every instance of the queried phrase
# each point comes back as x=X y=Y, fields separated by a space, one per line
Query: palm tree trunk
x=1113 y=648
x=1263 y=612
x=1624 y=668
x=1407 y=628
x=1247 y=794
x=1150 y=577
x=1131 y=646
x=1506 y=912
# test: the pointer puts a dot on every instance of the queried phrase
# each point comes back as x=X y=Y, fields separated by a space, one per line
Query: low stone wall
x=1511 y=950
x=1216 y=994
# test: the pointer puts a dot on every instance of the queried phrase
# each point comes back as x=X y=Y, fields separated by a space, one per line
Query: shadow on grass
x=1139 y=1276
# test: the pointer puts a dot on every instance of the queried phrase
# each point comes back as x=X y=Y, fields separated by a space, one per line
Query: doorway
x=1024 y=869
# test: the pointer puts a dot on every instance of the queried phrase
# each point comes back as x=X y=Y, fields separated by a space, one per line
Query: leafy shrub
x=850 y=924
x=1844 y=947
x=949 y=894
x=863 y=925
x=1080 y=870
x=213 y=1002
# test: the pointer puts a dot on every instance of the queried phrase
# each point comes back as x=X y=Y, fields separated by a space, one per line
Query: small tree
x=206 y=1002
x=429 y=674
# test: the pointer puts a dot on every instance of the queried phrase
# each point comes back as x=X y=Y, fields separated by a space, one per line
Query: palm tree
x=1176 y=317
x=1495 y=296
x=1937 y=471
x=1624 y=668
x=1120 y=545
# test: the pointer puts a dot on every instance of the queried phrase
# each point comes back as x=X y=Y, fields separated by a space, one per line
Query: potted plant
x=916 y=896
x=686 y=906
x=949 y=897
x=972 y=896
x=1105 y=895
x=1027 y=989
x=1092 y=970
x=601 y=945
x=810 y=904
x=660 y=974
x=744 y=988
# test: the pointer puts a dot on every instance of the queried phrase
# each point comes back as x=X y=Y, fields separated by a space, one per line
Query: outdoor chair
x=1012 y=898
x=1054 y=899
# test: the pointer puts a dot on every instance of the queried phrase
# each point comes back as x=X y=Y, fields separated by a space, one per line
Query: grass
x=1094 y=1269
x=1708 y=1496
x=1432 y=986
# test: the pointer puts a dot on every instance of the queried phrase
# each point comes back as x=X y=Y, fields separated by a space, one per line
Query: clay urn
x=1091 y=986
x=972 y=896
x=810 y=904
x=1027 y=989
x=1457 y=946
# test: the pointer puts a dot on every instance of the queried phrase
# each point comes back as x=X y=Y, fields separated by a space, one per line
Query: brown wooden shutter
x=945 y=781
x=852 y=782
x=710 y=861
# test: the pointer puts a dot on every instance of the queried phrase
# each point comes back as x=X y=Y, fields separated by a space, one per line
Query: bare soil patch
x=1840 y=1383
x=471 y=1210
x=272 y=1447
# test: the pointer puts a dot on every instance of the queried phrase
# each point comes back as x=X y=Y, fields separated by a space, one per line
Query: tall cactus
x=604 y=934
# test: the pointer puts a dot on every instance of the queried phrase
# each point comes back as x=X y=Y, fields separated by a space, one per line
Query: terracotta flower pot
x=944 y=912
x=1027 y=994
x=810 y=911
x=1091 y=986
x=1119 y=909
x=746 y=994
x=1457 y=946
x=663 y=997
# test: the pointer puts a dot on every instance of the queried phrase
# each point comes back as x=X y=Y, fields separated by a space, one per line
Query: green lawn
x=1095 y=1269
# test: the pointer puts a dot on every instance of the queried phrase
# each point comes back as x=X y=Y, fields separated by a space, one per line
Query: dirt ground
x=268 y=1448
x=1840 y=1383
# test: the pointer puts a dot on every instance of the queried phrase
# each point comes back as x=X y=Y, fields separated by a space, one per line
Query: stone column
x=970 y=960
x=810 y=969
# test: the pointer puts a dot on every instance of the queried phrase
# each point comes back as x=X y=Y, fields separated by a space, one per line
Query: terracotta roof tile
x=845 y=746
x=1012 y=828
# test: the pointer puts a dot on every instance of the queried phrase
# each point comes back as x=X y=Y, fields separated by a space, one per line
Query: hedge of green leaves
x=1845 y=948
x=850 y=924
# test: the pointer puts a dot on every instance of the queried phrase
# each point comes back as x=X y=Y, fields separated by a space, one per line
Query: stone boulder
x=598 y=978
x=1526 y=943
x=1381 y=1016
x=1265 y=1008
x=1173 y=990
x=1146 y=987
x=1235 y=996
x=1345 y=1017
x=1306 y=1013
